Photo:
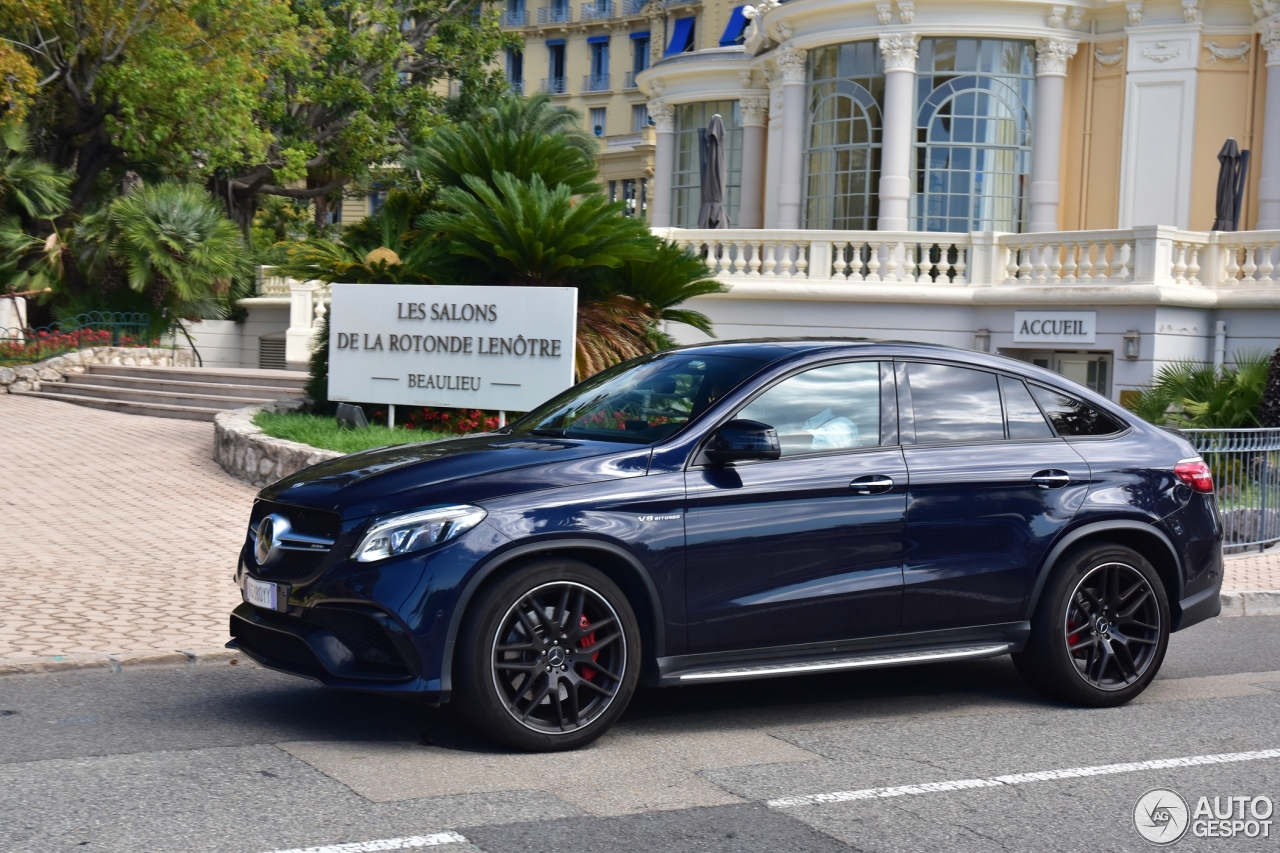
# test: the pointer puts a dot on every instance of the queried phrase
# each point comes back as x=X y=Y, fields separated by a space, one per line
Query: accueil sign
x=1055 y=327
x=507 y=348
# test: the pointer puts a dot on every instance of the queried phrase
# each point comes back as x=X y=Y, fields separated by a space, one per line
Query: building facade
x=1036 y=178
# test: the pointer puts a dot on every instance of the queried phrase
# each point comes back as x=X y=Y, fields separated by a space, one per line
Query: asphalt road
x=243 y=760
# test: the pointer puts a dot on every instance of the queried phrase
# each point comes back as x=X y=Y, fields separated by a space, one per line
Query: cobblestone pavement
x=1253 y=570
x=119 y=532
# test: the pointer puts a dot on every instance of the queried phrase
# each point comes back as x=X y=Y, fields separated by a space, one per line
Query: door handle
x=872 y=484
x=1051 y=479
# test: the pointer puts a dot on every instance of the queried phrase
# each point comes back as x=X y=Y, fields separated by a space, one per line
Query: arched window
x=973 y=135
x=842 y=163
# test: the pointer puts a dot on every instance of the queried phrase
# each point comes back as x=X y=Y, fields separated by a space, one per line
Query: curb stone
x=1234 y=603
x=1260 y=602
x=120 y=661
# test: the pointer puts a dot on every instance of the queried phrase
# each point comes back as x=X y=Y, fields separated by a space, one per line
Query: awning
x=733 y=32
x=681 y=37
x=554 y=42
x=644 y=34
x=598 y=40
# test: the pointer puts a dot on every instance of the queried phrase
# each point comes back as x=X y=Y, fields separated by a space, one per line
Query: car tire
x=533 y=671
x=1100 y=628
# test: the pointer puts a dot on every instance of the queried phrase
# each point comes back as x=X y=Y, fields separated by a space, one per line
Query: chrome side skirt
x=860 y=662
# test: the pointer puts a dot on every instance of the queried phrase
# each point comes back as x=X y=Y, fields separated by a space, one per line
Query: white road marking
x=1019 y=778
x=385 y=844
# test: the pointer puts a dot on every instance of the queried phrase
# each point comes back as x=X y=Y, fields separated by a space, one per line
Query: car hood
x=457 y=470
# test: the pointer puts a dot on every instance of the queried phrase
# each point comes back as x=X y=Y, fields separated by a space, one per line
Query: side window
x=1072 y=417
x=836 y=407
x=1021 y=412
x=953 y=404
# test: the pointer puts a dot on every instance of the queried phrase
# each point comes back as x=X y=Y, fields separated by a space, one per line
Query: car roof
x=777 y=349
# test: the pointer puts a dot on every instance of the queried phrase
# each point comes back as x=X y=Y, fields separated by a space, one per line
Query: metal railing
x=599 y=10
x=95 y=329
x=515 y=18
x=595 y=82
x=517 y=87
x=633 y=7
x=629 y=80
x=555 y=85
x=1246 y=478
x=555 y=14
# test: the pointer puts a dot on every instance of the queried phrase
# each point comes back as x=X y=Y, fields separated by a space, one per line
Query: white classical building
x=1033 y=178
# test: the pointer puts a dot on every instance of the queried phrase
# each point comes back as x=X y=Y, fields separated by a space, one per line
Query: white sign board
x=1055 y=327
x=507 y=348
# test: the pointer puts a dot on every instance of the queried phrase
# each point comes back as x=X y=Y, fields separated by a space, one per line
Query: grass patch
x=324 y=432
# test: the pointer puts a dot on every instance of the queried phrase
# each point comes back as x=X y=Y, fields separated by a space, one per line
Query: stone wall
x=245 y=452
x=29 y=377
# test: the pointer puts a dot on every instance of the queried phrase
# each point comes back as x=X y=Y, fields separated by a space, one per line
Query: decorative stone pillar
x=791 y=66
x=1046 y=150
x=899 y=53
x=1269 y=167
x=754 y=110
x=664 y=163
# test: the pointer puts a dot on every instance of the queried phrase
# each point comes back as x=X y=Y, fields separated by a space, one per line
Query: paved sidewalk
x=118 y=533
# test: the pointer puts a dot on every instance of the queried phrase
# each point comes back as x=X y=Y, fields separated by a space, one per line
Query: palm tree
x=168 y=241
x=521 y=137
x=32 y=194
x=1196 y=395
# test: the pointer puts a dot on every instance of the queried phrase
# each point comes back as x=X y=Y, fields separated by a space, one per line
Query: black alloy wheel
x=548 y=657
x=1113 y=626
x=1100 y=629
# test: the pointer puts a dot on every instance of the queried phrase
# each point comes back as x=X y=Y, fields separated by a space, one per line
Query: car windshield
x=640 y=401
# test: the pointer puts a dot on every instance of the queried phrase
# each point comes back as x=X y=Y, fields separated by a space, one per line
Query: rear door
x=806 y=548
x=990 y=488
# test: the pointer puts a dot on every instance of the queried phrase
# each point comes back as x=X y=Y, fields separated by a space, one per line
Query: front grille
x=359 y=632
x=275 y=647
x=313 y=522
x=295 y=565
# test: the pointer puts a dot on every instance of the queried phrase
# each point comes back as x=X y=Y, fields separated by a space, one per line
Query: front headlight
x=393 y=535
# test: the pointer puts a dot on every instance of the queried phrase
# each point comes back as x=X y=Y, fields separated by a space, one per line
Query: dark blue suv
x=740 y=510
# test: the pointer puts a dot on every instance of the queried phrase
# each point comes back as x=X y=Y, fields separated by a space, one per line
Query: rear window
x=1022 y=413
x=1072 y=417
x=953 y=404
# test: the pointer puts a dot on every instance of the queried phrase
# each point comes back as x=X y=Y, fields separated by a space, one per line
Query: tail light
x=1195 y=474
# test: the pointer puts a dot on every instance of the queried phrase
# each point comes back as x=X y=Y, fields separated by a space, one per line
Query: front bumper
x=347 y=646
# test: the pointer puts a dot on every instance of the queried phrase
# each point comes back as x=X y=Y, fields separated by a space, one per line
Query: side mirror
x=741 y=439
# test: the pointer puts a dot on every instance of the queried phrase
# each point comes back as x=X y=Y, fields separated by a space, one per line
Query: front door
x=806 y=548
x=991 y=487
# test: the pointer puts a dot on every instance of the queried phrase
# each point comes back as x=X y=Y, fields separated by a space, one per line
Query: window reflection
x=1022 y=413
x=836 y=407
x=953 y=404
x=1072 y=417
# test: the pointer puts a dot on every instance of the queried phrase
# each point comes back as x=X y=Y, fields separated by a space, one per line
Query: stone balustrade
x=1151 y=255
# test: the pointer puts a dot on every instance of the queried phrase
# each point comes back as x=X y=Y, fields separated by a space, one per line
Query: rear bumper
x=1203 y=605
x=350 y=648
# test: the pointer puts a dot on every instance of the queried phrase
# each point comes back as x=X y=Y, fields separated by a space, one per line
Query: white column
x=900 y=54
x=1269 y=157
x=664 y=162
x=300 y=336
x=754 y=111
x=1046 y=146
x=791 y=66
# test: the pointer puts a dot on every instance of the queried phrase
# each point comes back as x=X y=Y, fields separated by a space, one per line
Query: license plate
x=260 y=594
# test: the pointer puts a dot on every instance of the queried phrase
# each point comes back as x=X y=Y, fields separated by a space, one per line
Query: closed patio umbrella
x=714 y=178
x=1225 y=209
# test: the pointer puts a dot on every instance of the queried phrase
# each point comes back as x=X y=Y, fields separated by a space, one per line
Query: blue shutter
x=733 y=32
x=681 y=37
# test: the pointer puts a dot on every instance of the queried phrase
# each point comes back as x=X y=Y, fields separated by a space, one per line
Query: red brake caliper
x=588 y=673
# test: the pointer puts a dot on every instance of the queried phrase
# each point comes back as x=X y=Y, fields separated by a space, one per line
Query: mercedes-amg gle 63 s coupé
x=740 y=510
